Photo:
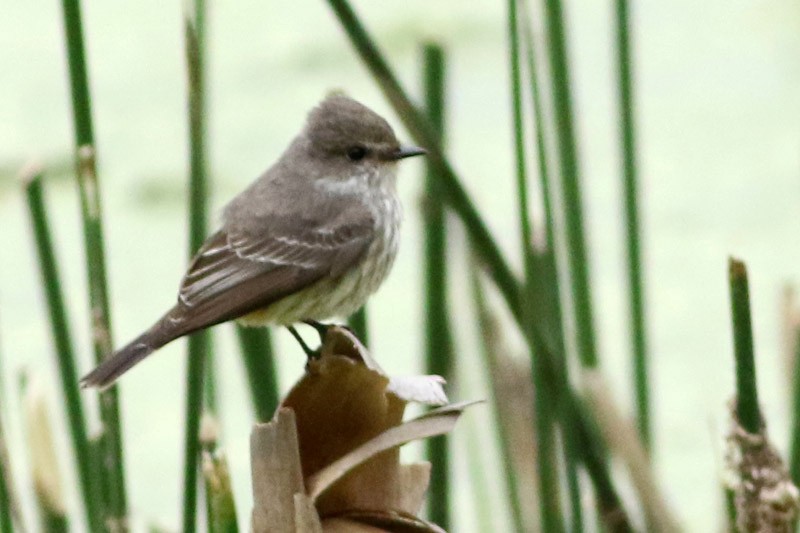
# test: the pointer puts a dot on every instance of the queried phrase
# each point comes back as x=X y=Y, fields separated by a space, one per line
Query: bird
x=314 y=236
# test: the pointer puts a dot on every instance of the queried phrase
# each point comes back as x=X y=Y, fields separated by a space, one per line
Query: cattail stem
x=89 y=191
x=632 y=231
x=570 y=184
x=438 y=335
x=65 y=355
x=794 y=451
x=6 y=507
x=747 y=409
x=199 y=344
x=259 y=360
x=549 y=485
x=548 y=270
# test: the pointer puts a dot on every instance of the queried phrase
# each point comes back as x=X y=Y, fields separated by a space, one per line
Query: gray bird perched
x=313 y=237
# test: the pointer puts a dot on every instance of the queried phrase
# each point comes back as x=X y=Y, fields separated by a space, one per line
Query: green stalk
x=199 y=343
x=220 y=505
x=794 y=452
x=6 y=487
x=6 y=512
x=59 y=325
x=486 y=248
x=729 y=496
x=438 y=334
x=259 y=360
x=219 y=494
x=548 y=272
x=112 y=465
x=549 y=486
x=747 y=410
x=570 y=185
x=358 y=323
x=633 y=233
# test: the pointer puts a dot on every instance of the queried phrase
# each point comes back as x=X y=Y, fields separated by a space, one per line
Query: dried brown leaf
x=379 y=521
x=414 y=481
x=276 y=474
x=436 y=422
x=306 y=518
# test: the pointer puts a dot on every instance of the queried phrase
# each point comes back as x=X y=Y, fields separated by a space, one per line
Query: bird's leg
x=321 y=328
x=310 y=354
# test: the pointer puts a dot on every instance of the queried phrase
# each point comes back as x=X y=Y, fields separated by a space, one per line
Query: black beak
x=409 y=151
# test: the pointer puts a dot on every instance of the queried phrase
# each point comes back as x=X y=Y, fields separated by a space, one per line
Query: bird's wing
x=238 y=271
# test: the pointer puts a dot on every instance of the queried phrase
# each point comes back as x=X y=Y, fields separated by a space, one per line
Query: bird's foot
x=310 y=354
x=322 y=329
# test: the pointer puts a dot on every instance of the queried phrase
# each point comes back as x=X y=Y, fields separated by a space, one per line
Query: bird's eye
x=356 y=153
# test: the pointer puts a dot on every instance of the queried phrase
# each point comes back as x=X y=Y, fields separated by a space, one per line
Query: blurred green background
x=717 y=87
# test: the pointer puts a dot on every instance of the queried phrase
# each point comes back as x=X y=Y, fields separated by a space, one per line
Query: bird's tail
x=107 y=372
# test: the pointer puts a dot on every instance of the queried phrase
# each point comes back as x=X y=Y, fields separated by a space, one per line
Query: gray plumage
x=312 y=237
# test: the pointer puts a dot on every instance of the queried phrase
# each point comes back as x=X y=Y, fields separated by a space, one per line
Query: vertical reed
x=747 y=409
x=199 y=343
x=570 y=184
x=259 y=361
x=632 y=231
x=64 y=351
x=438 y=335
x=112 y=463
x=549 y=485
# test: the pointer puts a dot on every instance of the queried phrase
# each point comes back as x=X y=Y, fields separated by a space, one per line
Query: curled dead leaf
x=330 y=457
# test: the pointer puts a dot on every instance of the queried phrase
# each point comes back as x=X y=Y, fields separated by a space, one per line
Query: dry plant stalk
x=329 y=460
x=45 y=471
x=624 y=440
x=766 y=499
x=511 y=386
x=790 y=326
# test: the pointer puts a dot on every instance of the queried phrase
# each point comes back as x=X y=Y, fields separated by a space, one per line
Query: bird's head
x=349 y=137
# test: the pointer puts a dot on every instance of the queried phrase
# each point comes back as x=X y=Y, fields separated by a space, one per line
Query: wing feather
x=238 y=271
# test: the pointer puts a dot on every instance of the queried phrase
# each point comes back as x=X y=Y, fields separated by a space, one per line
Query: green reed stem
x=6 y=510
x=199 y=345
x=112 y=465
x=484 y=245
x=548 y=271
x=747 y=408
x=359 y=324
x=259 y=361
x=220 y=505
x=438 y=334
x=794 y=452
x=632 y=231
x=549 y=485
x=219 y=494
x=570 y=184
x=65 y=355
x=729 y=496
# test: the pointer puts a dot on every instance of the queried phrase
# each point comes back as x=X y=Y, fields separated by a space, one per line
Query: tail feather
x=109 y=370
x=162 y=332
